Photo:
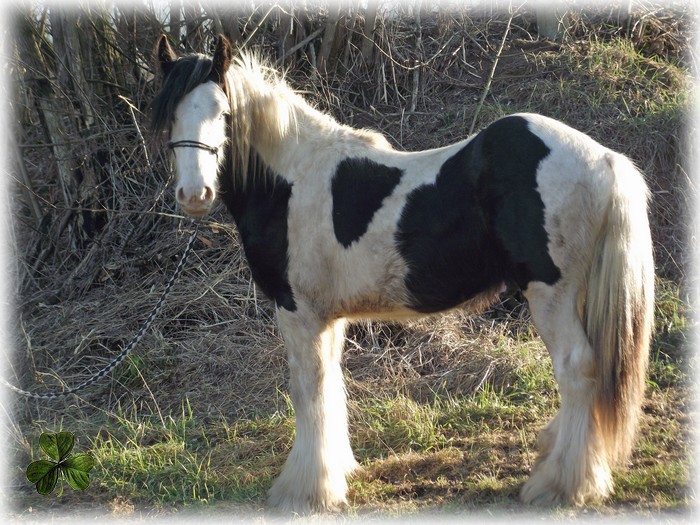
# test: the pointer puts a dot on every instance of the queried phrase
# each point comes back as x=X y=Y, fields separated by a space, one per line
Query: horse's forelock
x=186 y=74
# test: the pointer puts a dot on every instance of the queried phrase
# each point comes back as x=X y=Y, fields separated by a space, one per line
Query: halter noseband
x=194 y=144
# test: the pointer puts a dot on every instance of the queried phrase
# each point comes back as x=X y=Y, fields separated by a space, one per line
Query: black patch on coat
x=358 y=188
x=260 y=210
x=511 y=154
x=480 y=224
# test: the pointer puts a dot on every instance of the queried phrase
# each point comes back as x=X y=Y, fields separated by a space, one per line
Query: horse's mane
x=265 y=108
x=262 y=107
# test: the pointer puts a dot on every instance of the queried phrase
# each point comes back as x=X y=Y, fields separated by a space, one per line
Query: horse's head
x=193 y=107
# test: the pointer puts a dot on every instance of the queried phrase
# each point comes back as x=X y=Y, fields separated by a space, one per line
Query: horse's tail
x=618 y=312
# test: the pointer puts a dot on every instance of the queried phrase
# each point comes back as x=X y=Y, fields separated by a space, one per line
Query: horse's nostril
x=208 y=194
x=180 y=195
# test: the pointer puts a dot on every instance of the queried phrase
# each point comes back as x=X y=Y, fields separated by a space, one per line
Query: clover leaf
x=44 y=474
x=74 y=468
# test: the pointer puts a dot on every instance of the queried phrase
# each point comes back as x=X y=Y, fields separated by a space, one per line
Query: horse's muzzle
x=195 y=202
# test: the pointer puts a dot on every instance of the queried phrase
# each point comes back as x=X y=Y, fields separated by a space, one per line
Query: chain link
x=136 y=339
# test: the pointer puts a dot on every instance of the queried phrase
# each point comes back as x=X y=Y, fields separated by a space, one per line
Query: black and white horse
x=337 y=225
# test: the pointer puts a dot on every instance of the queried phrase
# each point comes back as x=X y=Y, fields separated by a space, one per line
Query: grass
x=466 y=455
x=595 y=85
x=451 y=453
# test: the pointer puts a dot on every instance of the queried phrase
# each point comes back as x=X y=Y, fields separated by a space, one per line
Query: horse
x=337 y=226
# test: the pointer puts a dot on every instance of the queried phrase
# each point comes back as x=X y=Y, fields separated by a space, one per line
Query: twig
x=62 y=225
x=29 y=193
x=300 y=44
x=419 y=49
x=136 y=125
x=258 y=26
x=491 y=75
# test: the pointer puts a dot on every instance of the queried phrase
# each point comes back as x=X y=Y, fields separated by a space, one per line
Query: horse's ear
x=165 y=55
x=223 y=55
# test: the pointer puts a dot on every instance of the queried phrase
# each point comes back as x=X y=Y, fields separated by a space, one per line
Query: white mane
x=266 y=113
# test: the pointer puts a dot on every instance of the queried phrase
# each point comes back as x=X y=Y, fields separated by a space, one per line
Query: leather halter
x=194 y=144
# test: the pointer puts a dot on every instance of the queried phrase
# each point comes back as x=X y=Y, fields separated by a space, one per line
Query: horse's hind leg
x=573 y=466
x=314 y=475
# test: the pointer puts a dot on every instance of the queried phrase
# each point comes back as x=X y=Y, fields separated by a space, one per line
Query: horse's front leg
x=314 y=476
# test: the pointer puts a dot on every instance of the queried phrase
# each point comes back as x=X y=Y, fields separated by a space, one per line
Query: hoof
x=292 y=500
x=299 y=491
x=552 y=484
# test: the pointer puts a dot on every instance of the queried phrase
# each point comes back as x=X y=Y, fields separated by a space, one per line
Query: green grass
x=670 y=364
x=595 y=86
x=182 y=460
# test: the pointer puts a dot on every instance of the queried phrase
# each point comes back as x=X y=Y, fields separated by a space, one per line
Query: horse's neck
x=305 y=133
x=292 y=138
x=243 y=193
x=281 y=127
